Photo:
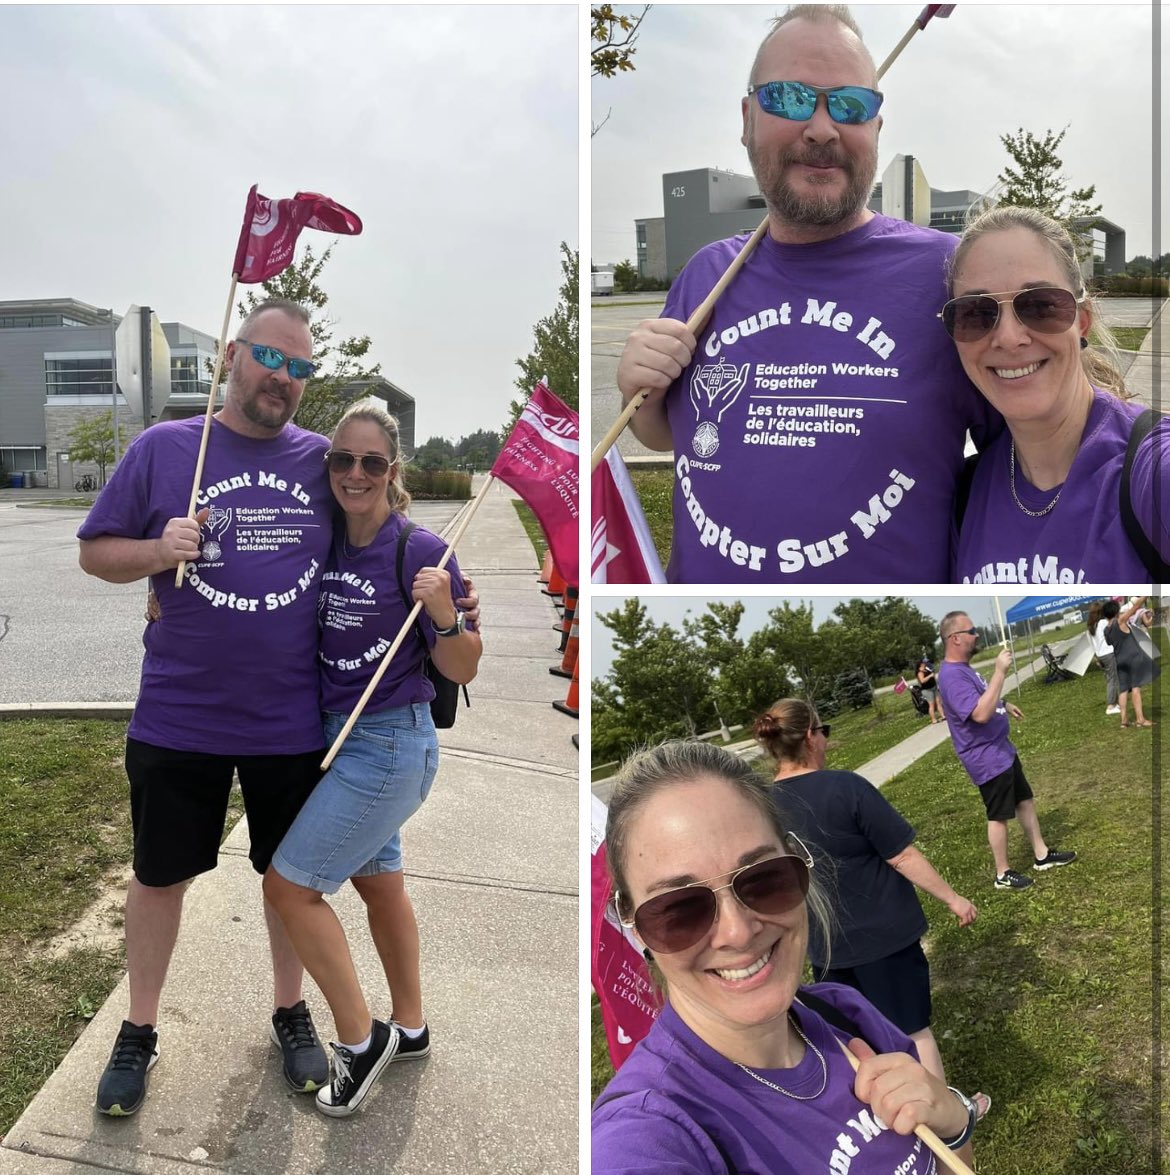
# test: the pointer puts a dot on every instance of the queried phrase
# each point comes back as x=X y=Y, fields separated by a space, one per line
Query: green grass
x=532 y=527
x=1046 y=1001
x=655 y=487
x=64 y=837
x=1129 y=338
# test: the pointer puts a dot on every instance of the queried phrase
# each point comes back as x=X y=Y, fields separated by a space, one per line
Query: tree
x=478 y=450
x=436 y=453
x=1036 y=182
x=625 y=277
x=613 y=47
x=341 y=362
x=555 y=352
x=92 y=439
x=883 y=636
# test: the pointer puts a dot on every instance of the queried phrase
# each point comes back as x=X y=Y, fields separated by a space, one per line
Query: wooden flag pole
x=456 y=535
x=928 y=1136
x=703 y=310
x=227 y=317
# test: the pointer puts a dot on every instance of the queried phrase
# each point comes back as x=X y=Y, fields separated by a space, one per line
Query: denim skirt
x=349 y=826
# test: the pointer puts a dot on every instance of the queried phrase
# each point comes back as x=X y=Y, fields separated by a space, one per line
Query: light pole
x=114 y=381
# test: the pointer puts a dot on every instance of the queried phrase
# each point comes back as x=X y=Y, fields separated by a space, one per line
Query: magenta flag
x=621 y=549
x=629 y=1002
x=900 y=686
x=942 y=11
x=539 y=461
x=271 y=227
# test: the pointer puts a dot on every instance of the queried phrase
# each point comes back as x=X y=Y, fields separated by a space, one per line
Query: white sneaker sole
x=354 y=1104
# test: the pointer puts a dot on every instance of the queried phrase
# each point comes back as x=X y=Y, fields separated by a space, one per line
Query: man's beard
x=252 y=409
x=807 y=207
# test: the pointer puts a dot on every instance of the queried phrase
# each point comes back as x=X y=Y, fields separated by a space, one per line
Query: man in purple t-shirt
x=818 y=418
x=229 y=677
x=979 y=726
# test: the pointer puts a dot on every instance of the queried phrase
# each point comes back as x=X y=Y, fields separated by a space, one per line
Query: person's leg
x=1139 y=718
x=152 y=927
x=997 y=838
x=1026 y=813
x=928 y=1052
x=288 y=973
x=1111 y=687
x=1123 y=702
x=316 y=936
x=394 y=930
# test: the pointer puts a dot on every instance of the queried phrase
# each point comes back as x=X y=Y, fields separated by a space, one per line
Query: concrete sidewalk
x=491 y=863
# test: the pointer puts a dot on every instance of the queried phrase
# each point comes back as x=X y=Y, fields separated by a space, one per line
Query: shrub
x=1124 y=284
x=427 y=484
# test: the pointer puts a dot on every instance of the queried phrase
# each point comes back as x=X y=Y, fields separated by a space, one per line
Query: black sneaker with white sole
x=305 y=1066
x=1054 y=858
x=1010 y=879
x=123 y=1085
x=412 y=1048
x=352 y=1075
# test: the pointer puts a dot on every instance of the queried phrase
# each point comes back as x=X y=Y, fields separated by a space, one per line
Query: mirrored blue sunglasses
x=797 y=101
x=274 y=360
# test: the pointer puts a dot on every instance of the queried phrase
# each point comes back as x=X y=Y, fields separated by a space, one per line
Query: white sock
x=358 y=1049
x=410 y=1033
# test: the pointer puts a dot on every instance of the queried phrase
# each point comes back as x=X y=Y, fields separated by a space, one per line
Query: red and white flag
x=942 y=11
x=268 y=238
x=629 y=1002
x=900 y=686
x=622 y=550
x=539 y=461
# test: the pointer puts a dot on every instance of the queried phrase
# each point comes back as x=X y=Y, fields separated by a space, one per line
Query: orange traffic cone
x=546 y=569
x=569 y=661
x=556 y=583
x=565 y=624
x=569 y=705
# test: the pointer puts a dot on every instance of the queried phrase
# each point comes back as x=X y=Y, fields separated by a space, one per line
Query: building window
x=189 y=374
x=84 y=375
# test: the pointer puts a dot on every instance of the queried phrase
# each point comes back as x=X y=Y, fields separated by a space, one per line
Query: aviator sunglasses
x=274 y=360
x=797 y=101
x=1047 y=309
x=676 y=920
x=341 y=461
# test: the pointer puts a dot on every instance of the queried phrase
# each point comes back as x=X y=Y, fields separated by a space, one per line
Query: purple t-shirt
x=1081 y=540
x=361 y=612
x=230 y=668
x=678 y=1106
x=819 y=429
x=984 y=748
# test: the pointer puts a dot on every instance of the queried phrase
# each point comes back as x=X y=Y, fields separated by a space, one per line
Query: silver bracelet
x=968 y=1130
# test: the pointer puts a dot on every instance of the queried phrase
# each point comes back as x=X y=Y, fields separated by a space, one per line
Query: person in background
x=1103 y=652
x=1134 y=668
x=928 y=684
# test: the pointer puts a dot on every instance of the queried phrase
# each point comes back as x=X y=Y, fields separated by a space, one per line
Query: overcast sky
x=672 y=610
x=959 y=85
x=131 y=135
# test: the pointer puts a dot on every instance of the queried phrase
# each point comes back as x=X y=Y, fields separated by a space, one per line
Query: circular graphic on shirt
x=706 y=439
x=210 y=552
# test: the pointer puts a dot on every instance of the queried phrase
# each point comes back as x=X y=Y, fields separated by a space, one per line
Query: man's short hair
x=284 y=305
x=815 y=14
x=949 y=623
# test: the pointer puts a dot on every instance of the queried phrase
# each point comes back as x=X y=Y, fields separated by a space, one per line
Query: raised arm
x=989 y=699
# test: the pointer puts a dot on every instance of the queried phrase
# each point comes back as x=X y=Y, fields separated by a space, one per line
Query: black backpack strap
x=1159 y=571
x=963 y=488
x=831 y=1015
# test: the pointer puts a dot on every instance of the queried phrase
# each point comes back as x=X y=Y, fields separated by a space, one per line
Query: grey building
x=705 y=205
x=59 y=359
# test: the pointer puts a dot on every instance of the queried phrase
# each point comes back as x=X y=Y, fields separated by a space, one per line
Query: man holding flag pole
x=229 y=677
x=816 y=413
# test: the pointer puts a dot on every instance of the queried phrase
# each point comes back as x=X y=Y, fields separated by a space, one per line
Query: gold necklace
x=806 y=1097
x=1015 y=496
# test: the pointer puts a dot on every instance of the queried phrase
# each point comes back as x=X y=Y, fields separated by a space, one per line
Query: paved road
x=65 y=636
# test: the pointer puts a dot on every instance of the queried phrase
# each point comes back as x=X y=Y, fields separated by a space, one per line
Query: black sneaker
x=123 y=1084
x=412 y=1048
x=352 y=1076
x=1054 y=858
x=305 y=1066
x=1010 y=879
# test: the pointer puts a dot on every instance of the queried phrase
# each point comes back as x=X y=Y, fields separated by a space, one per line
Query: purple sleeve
x=960 y=694
x=1149 y=487
x=644 y=1134
x=122 y=508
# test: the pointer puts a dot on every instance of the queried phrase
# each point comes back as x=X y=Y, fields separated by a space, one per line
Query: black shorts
x=178 y=803
x=1002 y=793
x=898 y=986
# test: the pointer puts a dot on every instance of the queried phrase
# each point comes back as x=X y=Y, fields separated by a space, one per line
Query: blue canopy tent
x=1032 y=606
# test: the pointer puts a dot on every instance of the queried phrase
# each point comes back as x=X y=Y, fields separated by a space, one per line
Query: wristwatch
x=456 y=629
x=972 y=1117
